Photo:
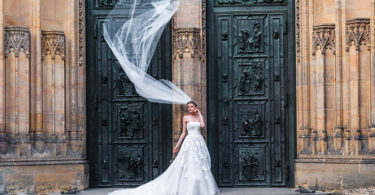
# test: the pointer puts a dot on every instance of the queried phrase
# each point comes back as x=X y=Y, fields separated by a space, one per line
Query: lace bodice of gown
x=194 y=127
x=189 y=173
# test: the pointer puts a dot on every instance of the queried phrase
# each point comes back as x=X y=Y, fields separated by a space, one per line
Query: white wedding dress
x=189 y=173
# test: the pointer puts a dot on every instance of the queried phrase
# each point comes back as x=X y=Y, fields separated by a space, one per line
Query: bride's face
x=191 y=108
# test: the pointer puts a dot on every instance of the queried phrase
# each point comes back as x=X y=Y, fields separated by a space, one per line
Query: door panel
x=248 y=91
x=128 y=138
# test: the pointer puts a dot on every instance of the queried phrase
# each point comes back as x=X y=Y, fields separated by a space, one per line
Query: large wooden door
x=129 y=138
x=251 y=77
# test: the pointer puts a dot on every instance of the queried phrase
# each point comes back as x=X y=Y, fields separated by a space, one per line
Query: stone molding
x=204 y=30
x=186 y=40
x=357 y=33
x=298 y=31
x=17 y=40
x=323 y=38
x=53 y=44
x=81 y=34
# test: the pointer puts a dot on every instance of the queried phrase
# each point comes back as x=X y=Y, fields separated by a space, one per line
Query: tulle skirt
x=189 y=174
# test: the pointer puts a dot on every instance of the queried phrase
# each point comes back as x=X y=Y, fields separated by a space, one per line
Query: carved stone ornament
x=298 y=32
x=357 y=33
x=323 y=38
x=204 y=30
x=187 y=40
x=81 y=35
x=53 y=44
x=17 y=40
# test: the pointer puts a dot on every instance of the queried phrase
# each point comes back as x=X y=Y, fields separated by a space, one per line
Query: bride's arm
x=201 y=120
x=182 y=136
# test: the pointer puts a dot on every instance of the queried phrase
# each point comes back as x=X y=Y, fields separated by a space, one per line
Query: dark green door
x=251 y=77
x=129 y=138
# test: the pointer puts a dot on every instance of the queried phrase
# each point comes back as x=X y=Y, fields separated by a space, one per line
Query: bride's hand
x=176 y=149
x=197 y=111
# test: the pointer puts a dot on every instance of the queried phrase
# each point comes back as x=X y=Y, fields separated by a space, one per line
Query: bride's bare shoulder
x=186 y=117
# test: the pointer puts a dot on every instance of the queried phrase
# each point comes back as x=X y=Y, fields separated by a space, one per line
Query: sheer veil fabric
x=133 y=43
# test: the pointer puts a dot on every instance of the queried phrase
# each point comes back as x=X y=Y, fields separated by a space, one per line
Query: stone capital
x=357 y=33
x=324 y=38
x=53 y=44
x=17 y=40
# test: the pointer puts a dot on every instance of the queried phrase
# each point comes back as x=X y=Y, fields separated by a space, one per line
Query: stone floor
x=224 y=191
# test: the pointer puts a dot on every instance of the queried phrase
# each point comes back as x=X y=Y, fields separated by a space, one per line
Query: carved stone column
x=81 y=80
x=372 y=94
x=36 y=126
x=334 y=93
x=357 y=34
x=17 y=52
x=323 y=39
x=44 y=78
x=53 y=56
x=3 y=140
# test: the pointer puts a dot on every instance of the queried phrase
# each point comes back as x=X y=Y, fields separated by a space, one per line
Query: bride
x=189 y=173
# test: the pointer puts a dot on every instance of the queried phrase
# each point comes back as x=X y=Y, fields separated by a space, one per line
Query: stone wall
x=335 y=93
x=42 y=95
x=189 y=59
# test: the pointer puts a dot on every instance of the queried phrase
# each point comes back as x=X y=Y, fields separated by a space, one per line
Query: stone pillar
x=372 y=94
x=36 y=127
x=44 y=66
x=338 y=137
x=188 y=66
x=73 y=134
x=335 y=76
x=3 y=142
x=81 y=77
x=17 y=52
x=53 y=61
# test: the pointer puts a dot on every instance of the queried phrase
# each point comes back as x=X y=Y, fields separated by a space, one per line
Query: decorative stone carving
x=53 y=44
x=187 y=40
x=323 y=38
x=81 y=34
x=204 y=30
x=358 y=33
x=17 y=40
x=298 y=32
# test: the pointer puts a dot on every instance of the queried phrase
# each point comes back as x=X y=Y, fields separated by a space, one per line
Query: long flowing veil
x=134 y=42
